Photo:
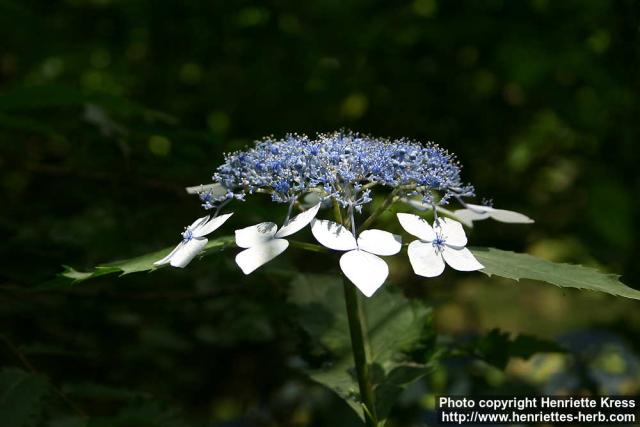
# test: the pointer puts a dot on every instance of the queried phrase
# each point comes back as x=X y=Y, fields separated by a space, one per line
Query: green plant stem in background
x=361 y=350
x=388 y=201
x=359 y=337
x=311 y=247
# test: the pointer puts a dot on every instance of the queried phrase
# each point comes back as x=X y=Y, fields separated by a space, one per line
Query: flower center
x=187 y=234
x=438 y=242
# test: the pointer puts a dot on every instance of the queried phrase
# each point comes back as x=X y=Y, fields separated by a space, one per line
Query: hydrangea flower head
x=341 y=166
x=344 y=169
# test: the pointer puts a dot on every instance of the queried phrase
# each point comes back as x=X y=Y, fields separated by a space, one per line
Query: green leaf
x=400 y=333
x=22 y=397
x=522 y=266
x=497 y=347
x=141 y=263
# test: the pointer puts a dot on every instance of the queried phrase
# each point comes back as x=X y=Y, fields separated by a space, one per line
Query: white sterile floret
x=360 y=264
x=479 y=212
x=263 y=242
x=193 y=241
x=443 y=243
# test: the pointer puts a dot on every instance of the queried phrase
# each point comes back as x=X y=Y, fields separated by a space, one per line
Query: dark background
x=108 y=109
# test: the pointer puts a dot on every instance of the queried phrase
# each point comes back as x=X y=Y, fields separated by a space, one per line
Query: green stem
x=311 y=247
x=336 y=211
x=359 y=339
x=361 y=350
x=390 y=199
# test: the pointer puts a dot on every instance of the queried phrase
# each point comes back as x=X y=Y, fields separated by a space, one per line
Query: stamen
x=438 y=242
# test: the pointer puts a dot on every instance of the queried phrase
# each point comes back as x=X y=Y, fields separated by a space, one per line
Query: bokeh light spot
x=159 y=145
x=355 y=106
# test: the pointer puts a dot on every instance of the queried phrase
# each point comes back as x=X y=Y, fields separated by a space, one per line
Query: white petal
x=187 y=252
x=312 y=199
x=198 y=222
x=215 y=189
x=365 y=270
x=298 y=222
x=468 y=215
x=333 y=235
x=252 y=235
x=380 y=242
x=479 y=208
x=452 y=232
x=417 y=204
x=166 y=259
x=256 y=256
x=510 y=217
x=424 y=259
x=461 y=259
x=417 y=226
x=212 y=225
x=465 y=216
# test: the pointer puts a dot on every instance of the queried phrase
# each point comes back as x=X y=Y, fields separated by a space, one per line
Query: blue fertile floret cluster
x=343 y=166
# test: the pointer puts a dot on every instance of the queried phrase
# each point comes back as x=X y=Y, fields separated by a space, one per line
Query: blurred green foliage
x=109 y=108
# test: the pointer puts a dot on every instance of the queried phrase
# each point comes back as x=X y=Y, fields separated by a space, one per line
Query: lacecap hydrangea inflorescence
x=342 y=166
x=343 y=169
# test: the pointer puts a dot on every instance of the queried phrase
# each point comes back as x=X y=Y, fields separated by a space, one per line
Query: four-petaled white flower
x=443 y=243
x=193 y=240
x=360 y=264
x=264 y=242
x=478 y=212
